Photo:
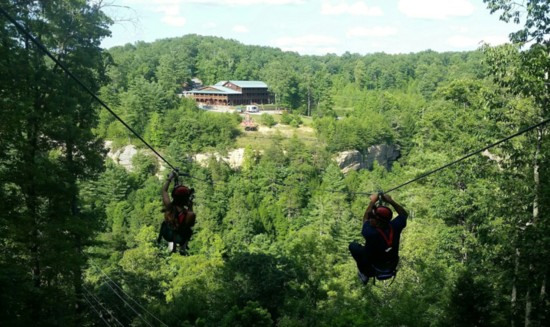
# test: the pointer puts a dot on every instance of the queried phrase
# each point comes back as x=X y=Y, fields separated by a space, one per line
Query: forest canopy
x=270 y=245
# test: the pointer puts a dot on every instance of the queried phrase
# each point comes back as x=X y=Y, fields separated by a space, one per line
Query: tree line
x=79 y=232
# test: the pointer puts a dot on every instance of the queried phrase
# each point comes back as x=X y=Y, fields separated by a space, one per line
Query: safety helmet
x=181 y=191
x=383 y=213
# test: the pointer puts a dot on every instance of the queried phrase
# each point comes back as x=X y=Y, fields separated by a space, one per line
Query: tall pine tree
x=47 y=122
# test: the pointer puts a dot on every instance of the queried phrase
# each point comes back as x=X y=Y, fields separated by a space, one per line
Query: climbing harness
x=387 y=238
x=385 y=270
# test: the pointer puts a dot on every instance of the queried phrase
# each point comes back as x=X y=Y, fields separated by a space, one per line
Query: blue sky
x=315 y=27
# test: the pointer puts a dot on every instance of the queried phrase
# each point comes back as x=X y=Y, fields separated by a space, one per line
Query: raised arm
x=373 y=199
x=400 y=211
x=165 y=197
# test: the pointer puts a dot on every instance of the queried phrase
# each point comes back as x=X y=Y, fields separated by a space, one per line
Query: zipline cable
x=525 y=130
x=128 y=304
x=118 y=287
x=79 y=82
x=118 y=307
x=95 y=309
x=102 y=305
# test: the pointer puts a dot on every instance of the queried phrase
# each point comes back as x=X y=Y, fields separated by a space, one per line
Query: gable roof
x=245 y=84
x=214 y=89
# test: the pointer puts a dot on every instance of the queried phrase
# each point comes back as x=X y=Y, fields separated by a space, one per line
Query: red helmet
x=181 y=191
x=383 y=213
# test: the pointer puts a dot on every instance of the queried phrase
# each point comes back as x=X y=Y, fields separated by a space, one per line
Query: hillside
x=270 y=246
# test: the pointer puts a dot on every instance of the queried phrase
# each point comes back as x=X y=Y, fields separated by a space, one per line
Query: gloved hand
x=172 y=175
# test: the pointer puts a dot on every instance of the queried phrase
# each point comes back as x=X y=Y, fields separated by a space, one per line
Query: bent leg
x=159 y=238
x=186 y=230
x=359 y=254
x=165 y=232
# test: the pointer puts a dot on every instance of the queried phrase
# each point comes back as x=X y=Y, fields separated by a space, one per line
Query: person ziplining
x=380 y=255
x=179 y=217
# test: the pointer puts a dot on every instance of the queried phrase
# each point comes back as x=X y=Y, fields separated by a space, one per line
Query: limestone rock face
x=122 y=156
x=234 y=158
x=384 y=154
x=350 y=160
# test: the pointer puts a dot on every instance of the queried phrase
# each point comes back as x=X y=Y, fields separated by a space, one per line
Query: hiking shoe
x=364 y=279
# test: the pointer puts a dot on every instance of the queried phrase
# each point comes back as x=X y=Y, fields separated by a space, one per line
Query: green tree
x=528 y=77
x=174 y=71
x=155 y=133
x=251 y=315
x=53 y=148
x=267 y=120
x=141 y=101
x=283 y=84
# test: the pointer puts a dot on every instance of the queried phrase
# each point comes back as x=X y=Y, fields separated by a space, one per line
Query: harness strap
x=389 y=240
x=180 y=214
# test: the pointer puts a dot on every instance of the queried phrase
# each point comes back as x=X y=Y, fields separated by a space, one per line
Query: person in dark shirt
x=382 y=236
x=179 y=217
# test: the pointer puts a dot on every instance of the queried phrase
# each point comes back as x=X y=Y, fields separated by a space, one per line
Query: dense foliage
x=78 y=231
x=47 y=148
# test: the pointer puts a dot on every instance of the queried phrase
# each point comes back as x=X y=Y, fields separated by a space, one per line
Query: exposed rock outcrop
x=122 y=156
x=234 y=158
x=350 y=160
x=384 y=154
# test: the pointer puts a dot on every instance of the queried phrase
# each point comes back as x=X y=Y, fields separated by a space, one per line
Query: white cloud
x=209 y=25
x=177 y=21
x=460 y=41
x=435 y=9
x=170 y=10
x=240 y=29
x=495 y=40
x=309 y=40
x=459 y=29
x=371 y=32
x=358 y=8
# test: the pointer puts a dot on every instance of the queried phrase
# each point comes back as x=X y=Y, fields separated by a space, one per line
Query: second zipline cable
x=79 y=82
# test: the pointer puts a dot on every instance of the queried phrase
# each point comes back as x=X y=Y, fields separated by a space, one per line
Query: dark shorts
x=177 y=236
x=358 y=252
x=383 y=268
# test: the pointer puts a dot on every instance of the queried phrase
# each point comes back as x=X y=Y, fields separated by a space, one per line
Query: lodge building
x=231 y=93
